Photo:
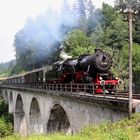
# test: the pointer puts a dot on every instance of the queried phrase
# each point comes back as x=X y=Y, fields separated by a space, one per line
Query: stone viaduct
x=41 y=111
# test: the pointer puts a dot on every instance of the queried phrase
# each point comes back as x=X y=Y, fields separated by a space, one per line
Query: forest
x=78 y=29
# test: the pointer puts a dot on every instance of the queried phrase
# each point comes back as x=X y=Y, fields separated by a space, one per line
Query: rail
x=75 y=88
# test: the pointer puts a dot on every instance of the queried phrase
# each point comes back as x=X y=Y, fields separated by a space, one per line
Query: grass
x=5 y=128
x=126 y=129
x=48 y=137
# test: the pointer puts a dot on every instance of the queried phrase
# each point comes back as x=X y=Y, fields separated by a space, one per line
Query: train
x=92 y=69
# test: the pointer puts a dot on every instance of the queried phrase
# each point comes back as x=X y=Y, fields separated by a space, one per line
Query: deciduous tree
x=77 y=42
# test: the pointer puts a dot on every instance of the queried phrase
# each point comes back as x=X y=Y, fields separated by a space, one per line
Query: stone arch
x=6 y=96
x=58 y=120
x=35 y=117
x=19 y=116
x=11 y=97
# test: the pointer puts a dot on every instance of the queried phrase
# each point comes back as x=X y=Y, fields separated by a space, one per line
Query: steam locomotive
x=87 y=69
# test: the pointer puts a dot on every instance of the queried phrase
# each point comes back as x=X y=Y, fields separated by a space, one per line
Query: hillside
x=5 y=68
x=9 y=68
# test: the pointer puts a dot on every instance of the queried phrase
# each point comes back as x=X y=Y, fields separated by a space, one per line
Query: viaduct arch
x=35 y=117
x=58 y=120
x=38 y=112
x=19 y=116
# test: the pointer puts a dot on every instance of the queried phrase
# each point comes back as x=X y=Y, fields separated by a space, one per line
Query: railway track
x=122 y=95
x=81 y=90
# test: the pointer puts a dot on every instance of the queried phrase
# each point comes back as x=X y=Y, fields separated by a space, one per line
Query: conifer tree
x=91 y=17
x=80 y=8
x=90 y=9
x=124 y=5
x=67 y=18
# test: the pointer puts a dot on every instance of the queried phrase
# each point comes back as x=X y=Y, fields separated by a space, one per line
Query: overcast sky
x=13 y=15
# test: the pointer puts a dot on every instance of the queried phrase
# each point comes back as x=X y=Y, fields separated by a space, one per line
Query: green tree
x=123 y=61
x=77 y=43
x=5 y=128
x=114 y=34
x=90 y=8
x=92 y=17
x=66 y=18
x=124 y=4
x=109 y=14
x=6 y=120
x=79 y=10
x=36 y=42
x=4 y=111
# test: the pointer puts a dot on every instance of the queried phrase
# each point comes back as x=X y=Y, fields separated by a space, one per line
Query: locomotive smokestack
x=63 y=54
x=104 y=57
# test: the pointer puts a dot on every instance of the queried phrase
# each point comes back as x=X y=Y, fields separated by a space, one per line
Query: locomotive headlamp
x=120 y=81
x=102 y=82
x=100 y=78
x=96 y=86
x=116 y=78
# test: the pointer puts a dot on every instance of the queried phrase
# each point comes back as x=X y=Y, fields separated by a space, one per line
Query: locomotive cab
x=53 y=74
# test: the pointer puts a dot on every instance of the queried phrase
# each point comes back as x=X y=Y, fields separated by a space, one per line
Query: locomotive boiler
x=90 y=64
x=100 y=61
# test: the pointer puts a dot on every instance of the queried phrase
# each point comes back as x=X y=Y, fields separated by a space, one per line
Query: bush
x=6 y=120
x=4 y=112
x=5 y=128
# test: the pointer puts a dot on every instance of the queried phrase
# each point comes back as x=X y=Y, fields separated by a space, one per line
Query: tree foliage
x=125 y=4
x=38 y=43
x=77 y=42
x=6 y=120
x=5 y=128
x=79 y=8
x=109 y=14
x=35 y=44
x=122 y=69
x=80 y=30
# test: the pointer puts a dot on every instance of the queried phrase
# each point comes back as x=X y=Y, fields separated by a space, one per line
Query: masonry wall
x=36 y=112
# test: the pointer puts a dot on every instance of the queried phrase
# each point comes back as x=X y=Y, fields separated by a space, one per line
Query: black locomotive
x=77 y=70
x=88 y=68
